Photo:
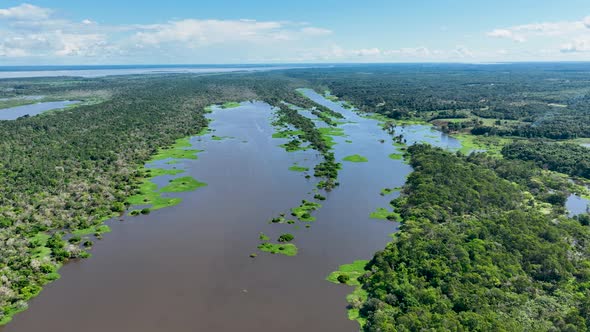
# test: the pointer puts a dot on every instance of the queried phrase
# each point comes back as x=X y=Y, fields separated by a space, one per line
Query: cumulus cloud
x=549 y=38
x=32 y=31
x=25 y=12
x=576 y=46
x=524 y=32
x=196 y=33
x=521 y=33
x=506 y=33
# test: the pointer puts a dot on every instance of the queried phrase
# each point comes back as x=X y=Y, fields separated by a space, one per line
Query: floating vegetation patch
x=355 y=158
x=303 y=211
x=288 y=249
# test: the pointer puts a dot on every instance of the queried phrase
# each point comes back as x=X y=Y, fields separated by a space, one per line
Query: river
x=16 y=112
x=187 y=268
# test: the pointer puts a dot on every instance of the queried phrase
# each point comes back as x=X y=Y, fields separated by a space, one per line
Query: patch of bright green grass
x=296 y=168
x=352 y=271
x=355 y=158
x=288 y=249
x=178 y=151
x=332 y=131
x=153 y=172
x=491 y=144
x=92 y=230
x=396 y=156
x=40 y=240
x=182 y=184
x=231 y=104
x=383 y=213
x=148 y=195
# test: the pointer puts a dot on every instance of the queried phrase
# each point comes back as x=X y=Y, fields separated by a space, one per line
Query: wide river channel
x=187 y=268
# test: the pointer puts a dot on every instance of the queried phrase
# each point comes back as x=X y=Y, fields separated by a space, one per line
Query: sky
x=77 y=32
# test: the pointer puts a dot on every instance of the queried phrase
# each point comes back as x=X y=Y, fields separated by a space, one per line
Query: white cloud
x=578 y=45
x=32 y=34
x=316 y=31
x=25 y=12
x=196 y=33
x=522 y=33
x=36 y=32
x=506 y=33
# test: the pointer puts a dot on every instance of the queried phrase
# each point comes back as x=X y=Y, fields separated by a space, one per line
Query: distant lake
x=99 y=71
x=13 y=113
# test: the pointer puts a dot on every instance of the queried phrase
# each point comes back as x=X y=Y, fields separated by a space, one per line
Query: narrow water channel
x=13 y=113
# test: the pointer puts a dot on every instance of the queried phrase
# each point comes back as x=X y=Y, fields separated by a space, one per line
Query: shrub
x=286 y=237
x=343 y=278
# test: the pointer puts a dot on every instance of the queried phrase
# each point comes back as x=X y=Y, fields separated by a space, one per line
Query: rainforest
x=379 y=197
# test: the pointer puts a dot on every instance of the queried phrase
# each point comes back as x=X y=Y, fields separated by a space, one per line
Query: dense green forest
x=474 y=255
x=526 y=100
x=565 y=158
x=484 y=244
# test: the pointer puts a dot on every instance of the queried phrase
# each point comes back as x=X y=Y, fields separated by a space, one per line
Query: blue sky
x=223 y=31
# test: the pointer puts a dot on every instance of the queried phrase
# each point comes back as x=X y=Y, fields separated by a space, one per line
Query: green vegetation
x=484 y=245
x=356 y=159
x=351 y=271
x=153 y=172
x=230 y=104
x=287 y=134
x=349 y=274
x=179 y=150
x=533 y=101
x=396 y=156
x=303 y=211
x=286 y=237
x=148 y=193
x=565 y=158
x=491 y=144
x=220 y=138
x=383 y=213
x=288 y=249
x=296 y=168
x=92 y=230
x=182 y=184
x=467 y=233
x=387 y=191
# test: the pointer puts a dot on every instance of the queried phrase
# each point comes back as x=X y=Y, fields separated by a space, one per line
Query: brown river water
x=186 y=268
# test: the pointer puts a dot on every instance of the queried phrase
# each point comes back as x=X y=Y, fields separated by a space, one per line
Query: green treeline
x=567 y=158
x=526 y=100
x=472 y=255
